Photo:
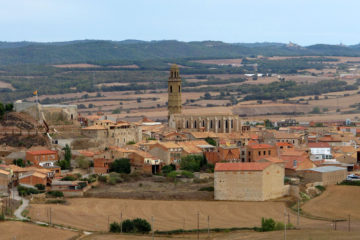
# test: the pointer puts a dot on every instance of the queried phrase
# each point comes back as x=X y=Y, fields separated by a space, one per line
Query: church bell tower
x=174 y=91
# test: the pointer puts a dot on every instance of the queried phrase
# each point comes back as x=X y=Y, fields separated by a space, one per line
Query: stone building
x=254 y=181
x=208 y=122
x=218 y=122
x=108 y=133
x=174 y=91
x=327 y=175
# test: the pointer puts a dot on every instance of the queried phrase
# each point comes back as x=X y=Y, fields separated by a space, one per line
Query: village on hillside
x=53 y=161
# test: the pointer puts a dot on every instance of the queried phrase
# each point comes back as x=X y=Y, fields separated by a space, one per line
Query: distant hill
x=97 y=51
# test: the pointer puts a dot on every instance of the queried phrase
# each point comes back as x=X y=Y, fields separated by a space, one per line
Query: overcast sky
x=301 y=21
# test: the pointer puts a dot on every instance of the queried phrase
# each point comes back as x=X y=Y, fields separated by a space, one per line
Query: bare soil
x=10 y=230
x=96 y=214
x=336 y=202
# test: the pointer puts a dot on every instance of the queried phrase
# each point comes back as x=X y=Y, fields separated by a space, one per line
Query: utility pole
x=50 y=215
x=198 y=225
x=298 y=213
x=349 y=223
x=121 y=222
x=208 y=226
x=285 y=224
x=152 y=226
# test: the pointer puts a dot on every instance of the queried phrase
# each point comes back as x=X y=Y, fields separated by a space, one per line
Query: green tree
x=121 y=165
x=2 y=109
x=9 y=107
x=207 y=95
x=40 y=187
x=19 y=162
x=128 y=226
x=67 y=154
x=210 y=141
x=192 y=163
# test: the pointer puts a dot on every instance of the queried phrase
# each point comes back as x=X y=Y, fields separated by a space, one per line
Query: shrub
x=2 y=217
x=102 y=178
x=172 y=174
x=55 y=194
x=209 y=189
x=24 y=191
x=321 y=188
x=40 y=187
x=69 y=178
x=187 y=174
x=168 y=168
x=128 y=226
x=115 y=227
x=350 y=183
x=141 y=225
x=130 y=143
x=267 y=224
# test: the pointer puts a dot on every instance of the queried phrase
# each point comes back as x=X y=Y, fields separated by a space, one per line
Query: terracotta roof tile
x=41 y=152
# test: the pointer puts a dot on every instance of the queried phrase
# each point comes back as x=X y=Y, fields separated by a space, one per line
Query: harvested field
x=10 y=230
x=336 y=202
x=263 y=109
x=95 y=214
x=244 y=235
x=132 y=66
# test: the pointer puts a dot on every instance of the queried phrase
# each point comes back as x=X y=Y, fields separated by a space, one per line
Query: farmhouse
x=254 y=181
x=255 y=152
x=327 y=175
x=38 y=156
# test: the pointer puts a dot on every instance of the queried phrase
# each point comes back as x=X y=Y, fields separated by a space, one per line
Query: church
x=202 y=121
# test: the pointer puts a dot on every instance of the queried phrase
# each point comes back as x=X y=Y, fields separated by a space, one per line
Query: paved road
x=23 y=206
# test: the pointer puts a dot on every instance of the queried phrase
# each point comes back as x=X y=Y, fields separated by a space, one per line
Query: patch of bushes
x=350 y=183
x=187 y=174
x=102 y=178
x=54 y=194
x=321 y=188
x=69 y=178
x=25 y=191
x=137 y=225
x=40 y=187
x=56 y=201
x=269 y=224
x=209 y=189
x=168 y=168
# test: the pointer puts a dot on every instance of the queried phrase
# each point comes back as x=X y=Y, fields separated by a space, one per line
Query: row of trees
x=4 y=108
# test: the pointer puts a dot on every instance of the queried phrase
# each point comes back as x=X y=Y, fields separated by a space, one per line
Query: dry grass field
x=10 y=230
x=336 y=202
x=244 y=235
x=94 y=213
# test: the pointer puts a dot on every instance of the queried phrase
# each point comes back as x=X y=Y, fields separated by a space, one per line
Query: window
x=211 y=124
x=264 y=153
x=203 y=123
x=179 y=88
x=195 y=124
x=232 y=123
x=259 y=153
x=269 y=152
x=187 y=124
x=219 y=124
x=242 y=152
x=249 y=153
x=226 y=124
x=295 y=163
x=171 y=89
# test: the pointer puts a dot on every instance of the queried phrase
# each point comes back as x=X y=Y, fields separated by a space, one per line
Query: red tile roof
x=318 y=145
x=249 y=166
x=41 y=152
x=260 y=146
